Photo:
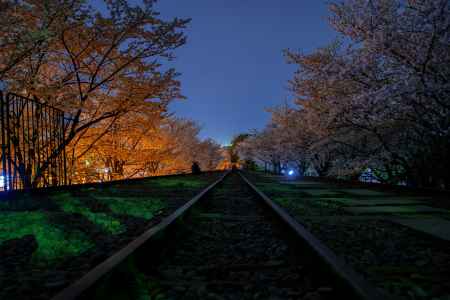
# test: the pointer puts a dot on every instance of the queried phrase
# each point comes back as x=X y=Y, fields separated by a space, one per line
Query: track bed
x=228 y=242
x=232 y=248
x=50 y=238
x=399 y=260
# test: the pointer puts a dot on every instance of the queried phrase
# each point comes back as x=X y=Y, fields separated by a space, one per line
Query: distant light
x=283 y=171
x=106 y=170
x=291 y=173
x=3 y=183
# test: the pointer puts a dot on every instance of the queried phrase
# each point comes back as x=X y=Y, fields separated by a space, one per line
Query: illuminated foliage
x=137 y=206
x=71 y=204
x=53 y=243
x=105 y=69
x=97 y=66
x=155 y=146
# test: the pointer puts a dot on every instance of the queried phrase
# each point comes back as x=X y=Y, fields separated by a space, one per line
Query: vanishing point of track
x=229 y=242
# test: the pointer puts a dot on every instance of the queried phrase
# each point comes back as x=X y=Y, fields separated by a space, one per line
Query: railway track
x=229 y=242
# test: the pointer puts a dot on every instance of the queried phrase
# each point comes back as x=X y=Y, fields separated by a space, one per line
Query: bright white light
x=291 y=172
x=2 y=182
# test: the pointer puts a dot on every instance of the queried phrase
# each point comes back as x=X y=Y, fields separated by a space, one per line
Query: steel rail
x=104 y=184
x=87 y=281
x=344 y=272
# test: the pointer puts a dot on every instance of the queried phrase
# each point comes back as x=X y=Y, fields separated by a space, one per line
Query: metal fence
x=32 y=151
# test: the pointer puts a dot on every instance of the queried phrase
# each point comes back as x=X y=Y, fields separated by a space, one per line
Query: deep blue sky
x=232 y=65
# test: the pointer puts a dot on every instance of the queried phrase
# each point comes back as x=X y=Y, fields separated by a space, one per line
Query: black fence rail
x=31 y=137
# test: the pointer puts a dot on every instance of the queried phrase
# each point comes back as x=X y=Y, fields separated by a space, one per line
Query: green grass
x=412 y=209
x=53 y=243
x=4 y=206
x=140 y=207
x=285 y=201
x=324 y=203
x=322 y=192
x=339 y=201
x=179 y=182
x=278 y=188
x=70 y=204
x=364 y=192
x=291 y=203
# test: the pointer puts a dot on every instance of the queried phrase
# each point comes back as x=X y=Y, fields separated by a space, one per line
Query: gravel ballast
x=406 y=263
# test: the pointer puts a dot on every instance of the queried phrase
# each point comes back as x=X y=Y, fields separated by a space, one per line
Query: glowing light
x=2 y=182
x=291 y=173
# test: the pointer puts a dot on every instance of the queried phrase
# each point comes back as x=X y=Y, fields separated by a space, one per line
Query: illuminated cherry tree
x=97 y=66
x=376 y=98
x=382 y=99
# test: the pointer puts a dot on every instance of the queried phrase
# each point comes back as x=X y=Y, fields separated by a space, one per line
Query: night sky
x=232 y=66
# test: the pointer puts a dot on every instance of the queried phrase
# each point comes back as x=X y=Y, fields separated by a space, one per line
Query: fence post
x=32 y=134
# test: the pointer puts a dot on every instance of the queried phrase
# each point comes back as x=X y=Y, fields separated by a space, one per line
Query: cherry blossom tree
x=381 y=99
x=376 y=98
x=97 y=66
x=263 y=147
x=153 y=146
